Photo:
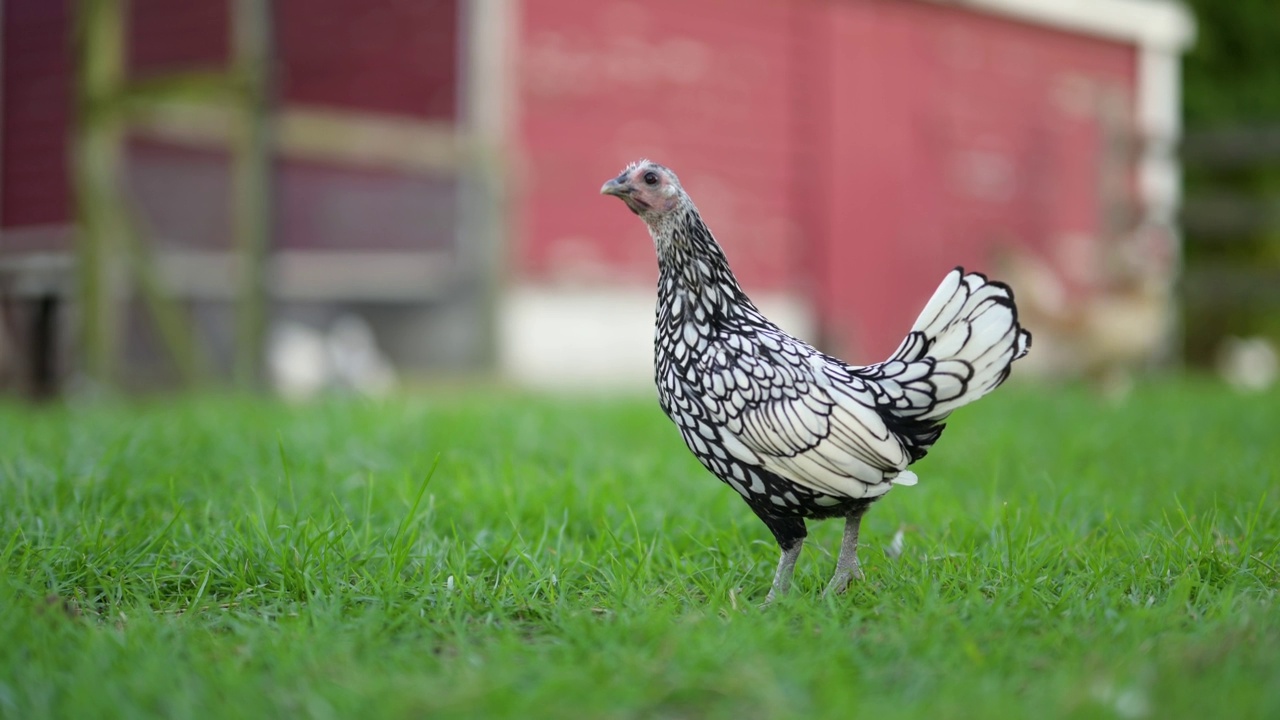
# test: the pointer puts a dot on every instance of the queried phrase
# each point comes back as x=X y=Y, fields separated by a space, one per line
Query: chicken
x=797 y=433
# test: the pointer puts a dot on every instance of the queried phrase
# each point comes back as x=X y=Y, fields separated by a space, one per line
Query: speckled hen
x=797 y=433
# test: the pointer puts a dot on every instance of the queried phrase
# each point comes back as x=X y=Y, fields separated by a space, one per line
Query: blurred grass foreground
x=488 y=555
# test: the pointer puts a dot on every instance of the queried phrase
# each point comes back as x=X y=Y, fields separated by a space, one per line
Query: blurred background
x=308 y=195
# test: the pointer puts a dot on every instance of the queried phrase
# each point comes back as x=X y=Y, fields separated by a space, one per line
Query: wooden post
x=96 y=159
x=484 y=28
x=111 y=251
x=252 y=184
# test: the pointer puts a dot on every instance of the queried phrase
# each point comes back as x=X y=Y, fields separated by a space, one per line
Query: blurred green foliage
x=1232 y=82
x=1232 y=73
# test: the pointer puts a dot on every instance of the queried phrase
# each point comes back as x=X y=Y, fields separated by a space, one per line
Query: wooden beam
x=486 y=29
x=111 y=255
x=321 y=134
x=98 y=43
x=296 y=275
x=253 y=188
x=316 y=275
x=1221 y=216
x=1232 y=148
x=370 y=140
x=1222 y=285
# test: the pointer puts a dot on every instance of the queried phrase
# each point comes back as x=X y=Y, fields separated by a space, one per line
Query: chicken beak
x=616 y=187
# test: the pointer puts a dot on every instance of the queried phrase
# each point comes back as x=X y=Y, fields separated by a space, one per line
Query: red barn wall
x=163 y=36
x=703 y=87
x=36 y=104
x=381 y=57
x=957 y=133
x=847 y=152
x=387 y=56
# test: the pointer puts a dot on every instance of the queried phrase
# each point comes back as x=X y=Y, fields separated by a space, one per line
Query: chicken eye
x=650 y=178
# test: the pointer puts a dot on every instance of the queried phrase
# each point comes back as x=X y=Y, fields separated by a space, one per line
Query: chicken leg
x=782 y=576
x=847 y=567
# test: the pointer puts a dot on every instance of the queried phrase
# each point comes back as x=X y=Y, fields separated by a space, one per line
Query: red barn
x=846 y=152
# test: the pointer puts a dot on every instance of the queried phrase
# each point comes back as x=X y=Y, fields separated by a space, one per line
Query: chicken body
x=797 y=433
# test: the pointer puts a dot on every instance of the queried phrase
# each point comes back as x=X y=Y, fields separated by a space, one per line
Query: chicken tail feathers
x=961 y=347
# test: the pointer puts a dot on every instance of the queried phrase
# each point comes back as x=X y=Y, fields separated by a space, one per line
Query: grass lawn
x=483 y=554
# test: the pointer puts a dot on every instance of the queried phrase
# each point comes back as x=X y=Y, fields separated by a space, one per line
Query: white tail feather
x=967 y=337
x=906 y=478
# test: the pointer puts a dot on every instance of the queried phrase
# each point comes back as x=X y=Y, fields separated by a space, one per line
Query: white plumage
x=834 y=437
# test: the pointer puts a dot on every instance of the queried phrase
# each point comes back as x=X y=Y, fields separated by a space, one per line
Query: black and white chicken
x=798 y=433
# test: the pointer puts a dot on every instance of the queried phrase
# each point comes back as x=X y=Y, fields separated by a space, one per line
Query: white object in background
x=1250 y=364
x=355 y=361
x=297 y=360
x=305 y=362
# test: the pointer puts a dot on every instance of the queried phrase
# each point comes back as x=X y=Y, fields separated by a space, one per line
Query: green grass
x=482 y=555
